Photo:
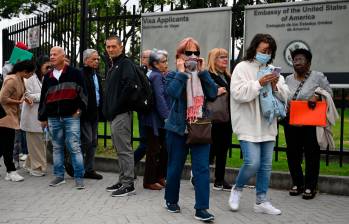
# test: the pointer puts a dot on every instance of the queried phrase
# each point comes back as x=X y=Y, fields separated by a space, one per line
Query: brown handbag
x=218 y=110
x=199 y=132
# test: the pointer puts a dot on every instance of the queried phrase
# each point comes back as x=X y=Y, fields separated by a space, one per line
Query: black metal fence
x=76 y=27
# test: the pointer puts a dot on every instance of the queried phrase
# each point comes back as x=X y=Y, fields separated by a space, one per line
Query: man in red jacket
x=61 y=102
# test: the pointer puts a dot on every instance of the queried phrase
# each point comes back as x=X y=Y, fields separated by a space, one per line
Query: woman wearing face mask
x=256 y=135
x=36 y=162
x=187 y=89
x=302 y=139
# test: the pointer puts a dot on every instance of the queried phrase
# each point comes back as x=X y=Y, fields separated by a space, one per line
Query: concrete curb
x=338 y=185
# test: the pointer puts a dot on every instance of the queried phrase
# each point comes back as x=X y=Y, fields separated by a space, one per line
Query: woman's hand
x=28 y=100
x=268 y=78
x=312 y=102
x=274 y=82
x=201 y=64
x=221 y=91
x=180 y=65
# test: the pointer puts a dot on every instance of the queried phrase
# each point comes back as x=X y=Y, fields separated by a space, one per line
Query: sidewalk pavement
x=33 y=201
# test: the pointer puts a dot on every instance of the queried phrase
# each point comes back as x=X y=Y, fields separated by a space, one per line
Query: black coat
x=119 y=85
x=92 y=113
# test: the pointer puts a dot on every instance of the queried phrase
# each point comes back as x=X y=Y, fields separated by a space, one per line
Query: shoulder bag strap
x=299 y=88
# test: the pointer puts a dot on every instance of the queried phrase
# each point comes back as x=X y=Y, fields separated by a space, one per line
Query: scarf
x=195 y=97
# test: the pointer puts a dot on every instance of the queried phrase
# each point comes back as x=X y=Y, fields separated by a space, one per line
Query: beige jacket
x=29 y=116
x=324 y=135
x=12 y=88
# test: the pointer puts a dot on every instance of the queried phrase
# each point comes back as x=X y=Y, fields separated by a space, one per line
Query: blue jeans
x=66 y=130
x=258 y=158
x=177 y=153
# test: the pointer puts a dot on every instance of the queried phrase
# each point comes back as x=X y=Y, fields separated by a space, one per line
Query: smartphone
x=276 y=70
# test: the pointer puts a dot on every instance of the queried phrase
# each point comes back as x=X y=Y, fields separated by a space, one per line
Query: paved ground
x=33 y=201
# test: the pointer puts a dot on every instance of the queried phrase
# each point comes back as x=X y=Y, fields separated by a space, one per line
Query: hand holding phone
x=276 y=70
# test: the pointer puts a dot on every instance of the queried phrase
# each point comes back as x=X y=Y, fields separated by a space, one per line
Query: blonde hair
x=212 y=56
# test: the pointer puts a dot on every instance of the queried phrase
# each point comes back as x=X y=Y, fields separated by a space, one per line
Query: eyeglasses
x=190 y=53
x=301 y=60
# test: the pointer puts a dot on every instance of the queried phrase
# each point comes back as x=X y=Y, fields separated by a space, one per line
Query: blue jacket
x=161 y=107
x=176 y=89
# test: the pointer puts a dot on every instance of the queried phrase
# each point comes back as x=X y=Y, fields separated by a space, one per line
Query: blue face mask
x=263 y=58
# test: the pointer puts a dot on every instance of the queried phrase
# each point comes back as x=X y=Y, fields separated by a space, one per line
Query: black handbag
x=218 y=110
x=199 y=132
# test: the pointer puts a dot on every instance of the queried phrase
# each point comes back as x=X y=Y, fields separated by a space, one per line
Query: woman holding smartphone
x=187 y=89
x=11 y=96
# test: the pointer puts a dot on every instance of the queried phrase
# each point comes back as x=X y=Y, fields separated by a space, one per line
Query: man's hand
x=44 y=124
x=77 y=113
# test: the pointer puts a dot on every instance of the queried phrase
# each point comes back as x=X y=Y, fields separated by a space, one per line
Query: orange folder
x=301 y=114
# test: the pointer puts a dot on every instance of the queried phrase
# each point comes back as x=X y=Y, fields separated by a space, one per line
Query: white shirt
x=57 y=73
x=246 y=116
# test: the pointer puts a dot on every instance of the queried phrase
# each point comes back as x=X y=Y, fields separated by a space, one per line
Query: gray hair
x=156 y=55
x=87 y=53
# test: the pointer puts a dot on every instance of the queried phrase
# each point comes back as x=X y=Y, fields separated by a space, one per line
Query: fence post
x=83 y=27
x=5 y=49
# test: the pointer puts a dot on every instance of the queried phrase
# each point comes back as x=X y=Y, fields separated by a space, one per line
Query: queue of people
x=69 y=103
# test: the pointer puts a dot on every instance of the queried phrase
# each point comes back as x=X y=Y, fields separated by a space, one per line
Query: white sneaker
x=36 y=173
x=23 y=157
x=234 y=199
x=13 y=176
x=26 y=169
x=266 y=208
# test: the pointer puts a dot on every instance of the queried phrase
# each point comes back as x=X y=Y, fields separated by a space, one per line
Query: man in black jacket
x=89 y=118
x=120 y=83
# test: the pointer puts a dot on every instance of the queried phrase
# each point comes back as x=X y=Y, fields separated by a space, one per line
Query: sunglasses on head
x=190 y=53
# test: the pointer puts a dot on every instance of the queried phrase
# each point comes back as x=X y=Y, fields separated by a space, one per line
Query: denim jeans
x=177 y=153
x=258 y=158
x=66 y=130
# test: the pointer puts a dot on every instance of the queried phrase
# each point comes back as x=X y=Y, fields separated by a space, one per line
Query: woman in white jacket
x=256 y=135
x=36 y=162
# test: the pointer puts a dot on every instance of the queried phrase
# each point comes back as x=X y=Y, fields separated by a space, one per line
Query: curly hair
x=307 y=54
x=23 y=66
x=257 y=39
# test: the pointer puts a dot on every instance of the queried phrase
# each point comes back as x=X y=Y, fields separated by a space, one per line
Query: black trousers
x=88 y=132
x=7 y=139
x=156 y=157
x=302 y=140
x=221 y=140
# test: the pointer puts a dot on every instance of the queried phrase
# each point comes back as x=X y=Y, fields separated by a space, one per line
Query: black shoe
x=309 y=194
x=173 y=208
x=124 y=191
x=203 y=215
x=114 y=187
x=93 y=175
x=295 y=190
x=219 y=186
